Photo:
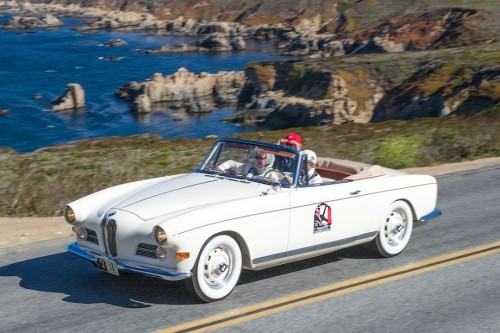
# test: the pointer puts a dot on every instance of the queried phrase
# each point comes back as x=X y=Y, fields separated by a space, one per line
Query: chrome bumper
x=150 y=271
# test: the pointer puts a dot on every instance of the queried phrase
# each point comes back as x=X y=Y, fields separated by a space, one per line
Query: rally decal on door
x=322 y=218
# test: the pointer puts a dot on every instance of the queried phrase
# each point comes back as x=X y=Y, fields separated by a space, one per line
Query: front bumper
x=129 y=267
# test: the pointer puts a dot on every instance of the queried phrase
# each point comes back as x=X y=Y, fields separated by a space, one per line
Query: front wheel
x=396 y=230
x=217 y=268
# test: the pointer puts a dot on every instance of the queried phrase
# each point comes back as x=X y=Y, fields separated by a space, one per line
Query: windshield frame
x=211 y=160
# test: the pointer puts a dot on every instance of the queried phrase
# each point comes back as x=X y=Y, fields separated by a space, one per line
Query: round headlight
x=69 y=215
x=81 y=233
x=160 y=235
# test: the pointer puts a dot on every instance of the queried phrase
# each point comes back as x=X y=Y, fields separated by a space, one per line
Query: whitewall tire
x=217 y=269
x=395 y=231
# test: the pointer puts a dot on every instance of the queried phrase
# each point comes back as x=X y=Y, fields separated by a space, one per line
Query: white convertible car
x=236 y=212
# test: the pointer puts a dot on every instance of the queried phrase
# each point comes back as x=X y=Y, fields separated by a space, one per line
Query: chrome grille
x=92 y=236
x=108 y=235
x=146 y=250
x=111 y=237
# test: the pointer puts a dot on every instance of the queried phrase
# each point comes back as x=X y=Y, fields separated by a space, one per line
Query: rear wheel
x=217 y=268
x=396 y=230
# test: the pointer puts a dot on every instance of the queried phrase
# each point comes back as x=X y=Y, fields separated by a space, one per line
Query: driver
x=262 y=163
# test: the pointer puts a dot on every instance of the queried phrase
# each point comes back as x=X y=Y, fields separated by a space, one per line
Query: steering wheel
x=252 y=172
x=281 y=175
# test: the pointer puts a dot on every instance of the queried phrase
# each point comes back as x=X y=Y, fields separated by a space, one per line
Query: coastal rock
x=20 y=22
x=178 y=48
x=414 y=100
x=184 y=86
x=121 y=20
x=142 y=104
x=29 y=8
x=116 y=42
x=215 y=42
x=238 y=43
x=303 y=44
x=181 y=25
x=73 y=98
x=275 y=110
x=219 y=28
x=198 y=107
x=111 y=58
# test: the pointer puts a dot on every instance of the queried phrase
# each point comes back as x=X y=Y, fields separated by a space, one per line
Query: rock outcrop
x=73 y=98
x=23 y=22
x=119 y=20
x=352 y=89
x=183 y=87
x=116 y=42
x=447 y=27
x=277 y=109
x=212 y=43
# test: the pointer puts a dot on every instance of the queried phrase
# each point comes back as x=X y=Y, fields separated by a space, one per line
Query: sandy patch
x=24 y=230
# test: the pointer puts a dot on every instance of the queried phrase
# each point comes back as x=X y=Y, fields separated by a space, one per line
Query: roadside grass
x=42 y=182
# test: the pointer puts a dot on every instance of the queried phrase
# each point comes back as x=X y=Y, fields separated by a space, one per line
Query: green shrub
x=400 y=151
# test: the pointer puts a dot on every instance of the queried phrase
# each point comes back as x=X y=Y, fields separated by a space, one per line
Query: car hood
x=187 y=192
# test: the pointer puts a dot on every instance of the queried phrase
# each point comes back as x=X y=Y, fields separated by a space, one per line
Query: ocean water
x=43 y=62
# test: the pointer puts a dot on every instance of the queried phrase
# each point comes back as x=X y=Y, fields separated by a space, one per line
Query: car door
x=327 y=215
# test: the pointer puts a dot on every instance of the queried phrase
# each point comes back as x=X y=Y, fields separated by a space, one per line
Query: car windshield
x=265 y=163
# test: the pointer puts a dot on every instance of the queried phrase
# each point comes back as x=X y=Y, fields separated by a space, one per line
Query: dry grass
x=42 y=182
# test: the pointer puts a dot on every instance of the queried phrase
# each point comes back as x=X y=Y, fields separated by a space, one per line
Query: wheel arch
x=245 y=252
x=408 y=202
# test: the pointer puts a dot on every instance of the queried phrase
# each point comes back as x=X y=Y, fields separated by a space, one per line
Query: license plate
x=107 y=265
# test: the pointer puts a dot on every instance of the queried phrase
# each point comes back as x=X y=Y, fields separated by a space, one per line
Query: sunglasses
x=260 y=157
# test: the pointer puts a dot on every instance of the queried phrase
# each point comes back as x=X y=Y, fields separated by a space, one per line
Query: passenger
x=263 y=163
x=292 y=140
x=312 y=176
x=285 y=164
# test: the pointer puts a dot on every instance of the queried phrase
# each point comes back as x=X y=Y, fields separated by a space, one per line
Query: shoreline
x=17 y=231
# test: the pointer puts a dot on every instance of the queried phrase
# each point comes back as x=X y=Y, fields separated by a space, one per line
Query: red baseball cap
x=293 y=137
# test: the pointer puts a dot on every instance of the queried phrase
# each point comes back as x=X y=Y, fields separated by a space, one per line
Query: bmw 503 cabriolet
x=247 y=206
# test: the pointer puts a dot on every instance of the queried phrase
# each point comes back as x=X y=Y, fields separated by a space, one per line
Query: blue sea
x=43 y=62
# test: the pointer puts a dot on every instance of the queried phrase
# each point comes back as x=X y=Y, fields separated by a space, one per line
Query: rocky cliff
x=371 y=88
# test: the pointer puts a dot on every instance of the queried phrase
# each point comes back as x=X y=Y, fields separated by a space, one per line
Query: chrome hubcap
x=216 y=267
x=395 y=227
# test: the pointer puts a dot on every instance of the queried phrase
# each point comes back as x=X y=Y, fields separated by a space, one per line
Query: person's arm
x=229 y=165
x=295 y=144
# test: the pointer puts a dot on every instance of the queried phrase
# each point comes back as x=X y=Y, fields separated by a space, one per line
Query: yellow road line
x=333 y=290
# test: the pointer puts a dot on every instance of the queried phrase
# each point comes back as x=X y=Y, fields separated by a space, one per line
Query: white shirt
x=314 y=178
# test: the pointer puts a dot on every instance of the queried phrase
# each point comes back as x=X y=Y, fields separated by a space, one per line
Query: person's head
x=292 y=140
x=311 y=158
x=262 y=159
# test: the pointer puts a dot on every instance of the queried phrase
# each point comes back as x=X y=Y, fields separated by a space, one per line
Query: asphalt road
x=43 y=288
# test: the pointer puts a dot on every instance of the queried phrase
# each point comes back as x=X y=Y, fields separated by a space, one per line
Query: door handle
x=355 y=192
